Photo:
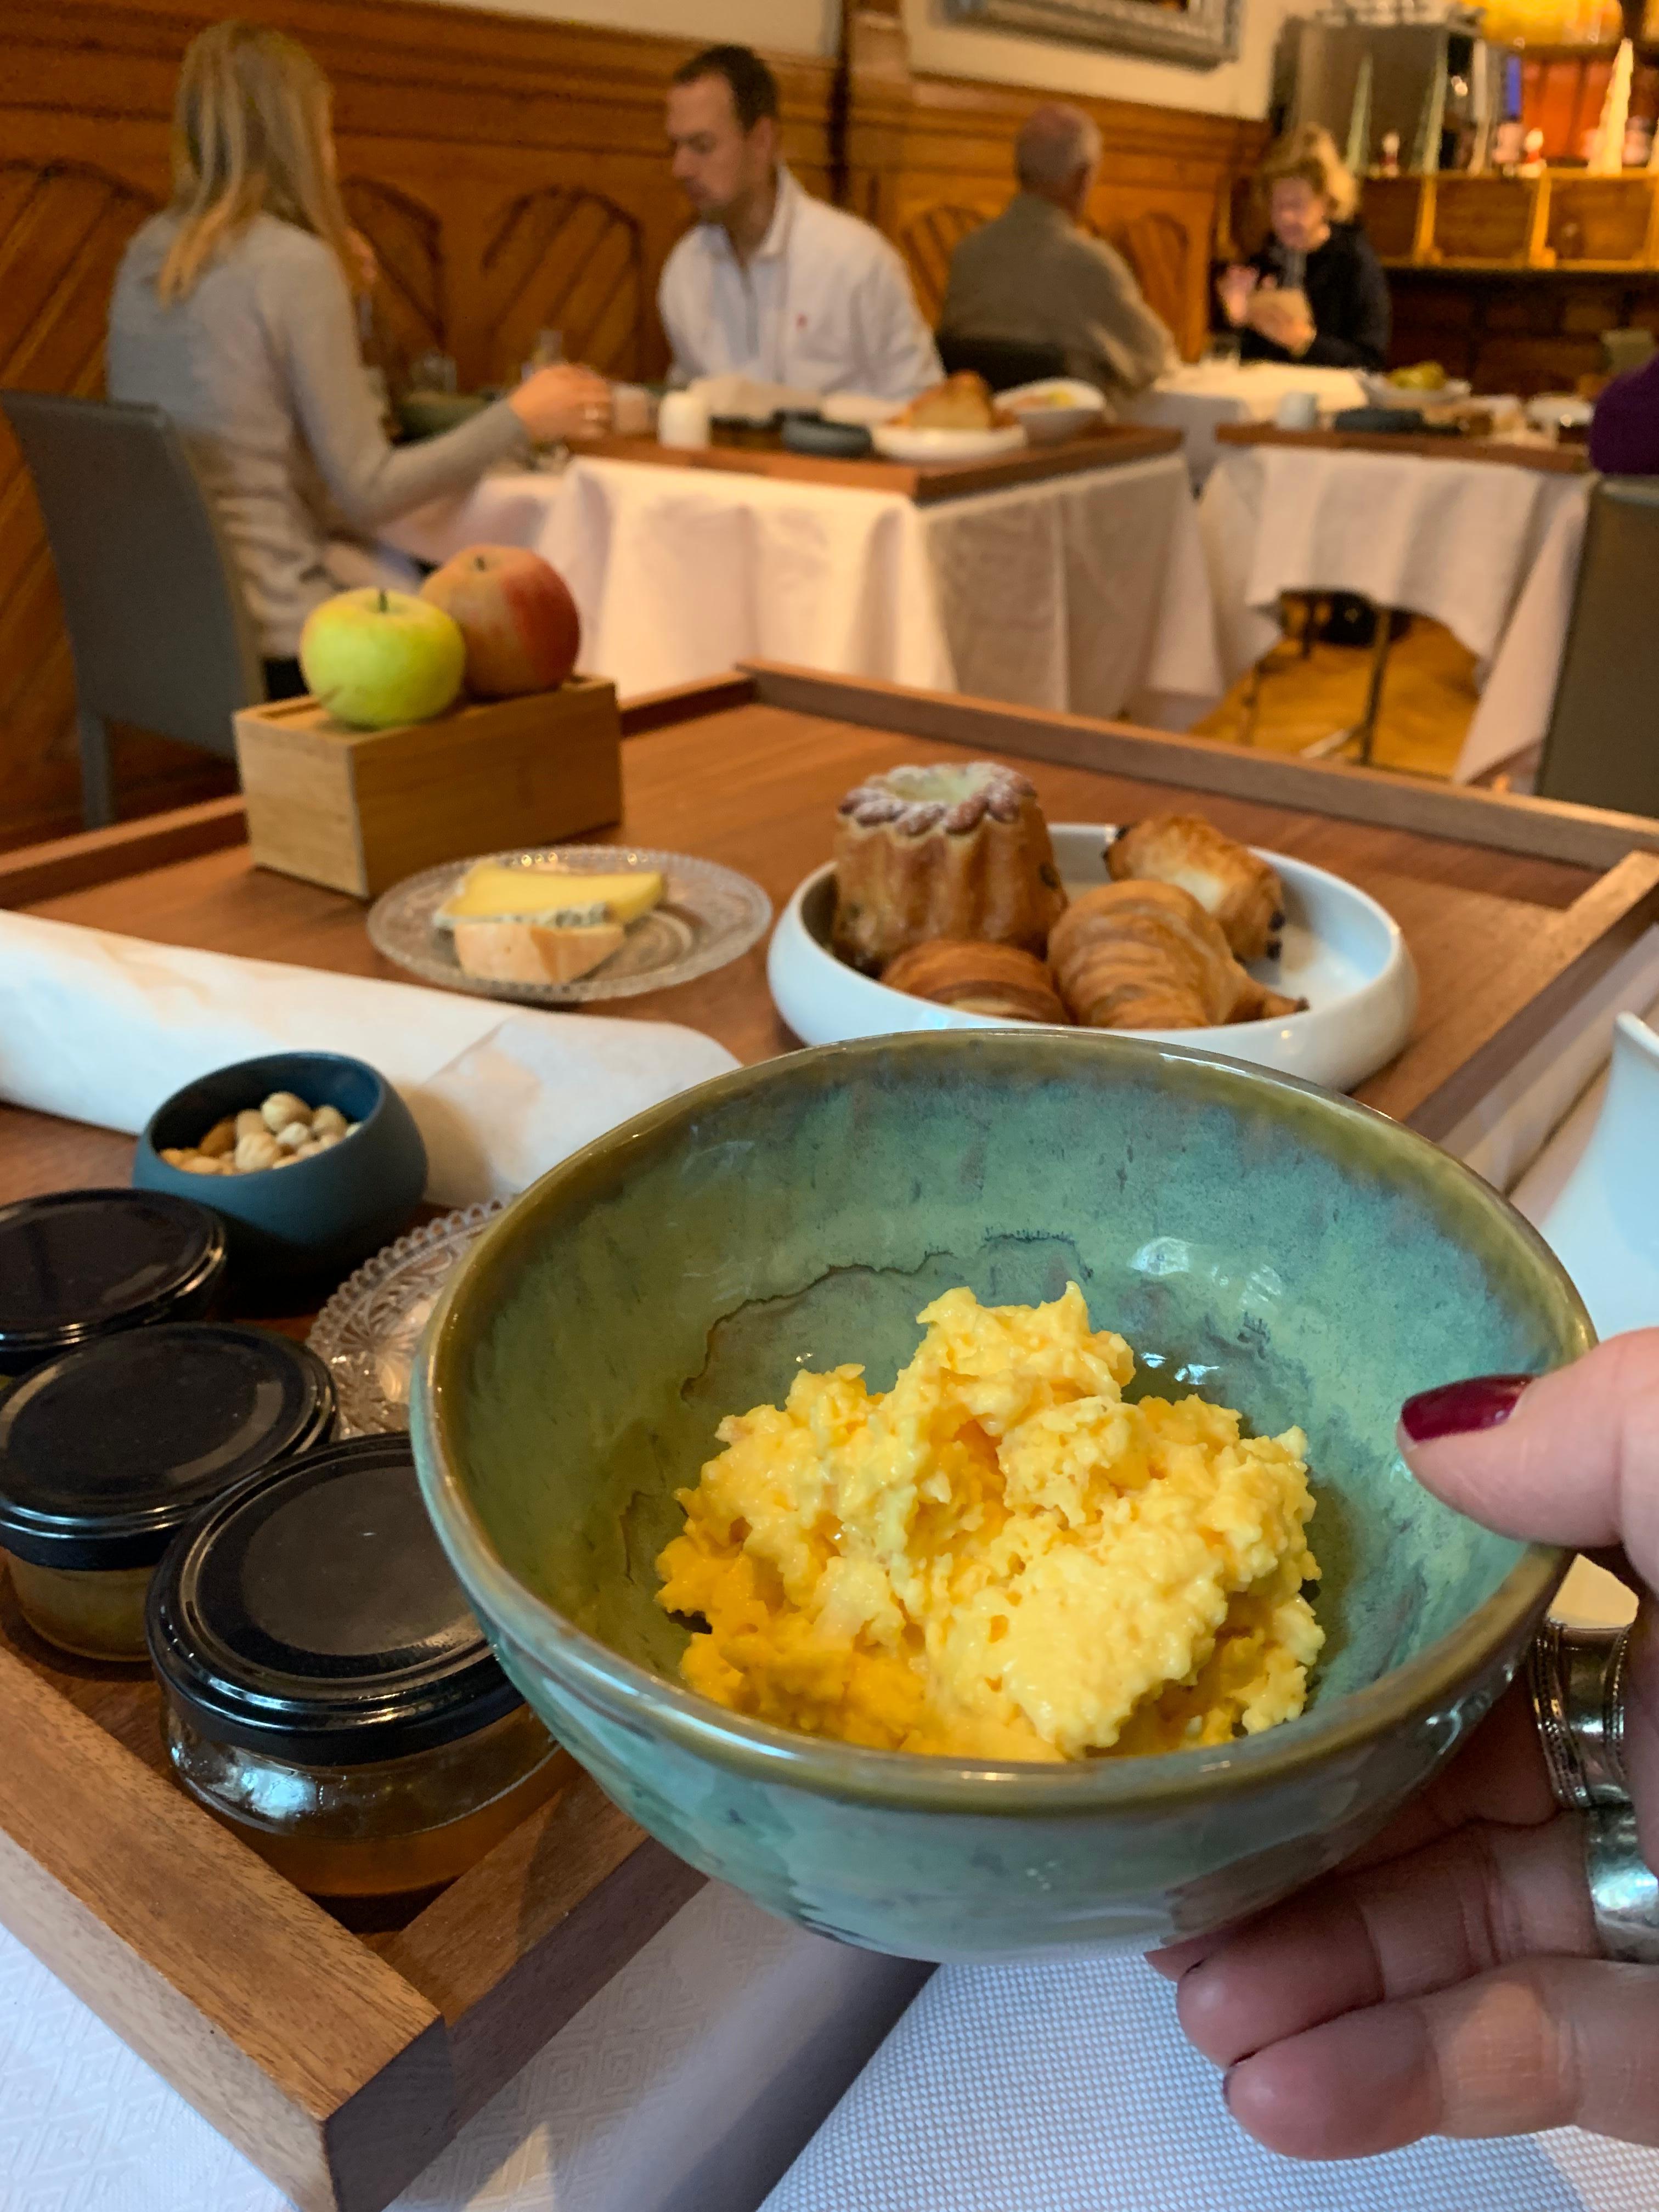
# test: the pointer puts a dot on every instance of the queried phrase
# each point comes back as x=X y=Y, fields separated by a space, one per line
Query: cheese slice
x=529 y=953
x=489 y=891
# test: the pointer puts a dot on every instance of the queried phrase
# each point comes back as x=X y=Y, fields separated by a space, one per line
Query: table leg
x=1365 y=728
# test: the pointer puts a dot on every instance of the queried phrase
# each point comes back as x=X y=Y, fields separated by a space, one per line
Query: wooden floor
x=1428 y=699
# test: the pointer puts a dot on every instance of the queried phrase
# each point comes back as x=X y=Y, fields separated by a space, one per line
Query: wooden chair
x=927 y=242
x=1601 y=748
x=1003 y=363
x=157 y=626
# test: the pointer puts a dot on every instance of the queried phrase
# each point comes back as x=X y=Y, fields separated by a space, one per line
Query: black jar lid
x=106 y=1452
x=77 y=1265
x=312 y=1616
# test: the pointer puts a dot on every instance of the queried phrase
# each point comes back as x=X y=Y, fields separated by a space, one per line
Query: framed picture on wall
x=1201 y=33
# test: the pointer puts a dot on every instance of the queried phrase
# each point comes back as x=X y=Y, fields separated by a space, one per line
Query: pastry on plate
x=1146 y=955
x=507 y=952
x=961 y=403
x=977 y=978
x=945 y=851
x=1226 y=878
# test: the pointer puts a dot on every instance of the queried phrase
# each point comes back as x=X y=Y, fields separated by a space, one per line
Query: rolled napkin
x=100 y=1028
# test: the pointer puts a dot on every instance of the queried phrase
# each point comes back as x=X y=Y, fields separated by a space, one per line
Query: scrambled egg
x=999 y=1558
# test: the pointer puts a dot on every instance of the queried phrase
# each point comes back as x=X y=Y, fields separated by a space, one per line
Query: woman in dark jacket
x=1316 y=292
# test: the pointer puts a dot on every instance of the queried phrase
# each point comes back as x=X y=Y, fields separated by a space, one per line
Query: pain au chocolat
x=942 y=851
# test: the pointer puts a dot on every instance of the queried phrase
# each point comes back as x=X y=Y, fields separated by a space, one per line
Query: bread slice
x=527 y=952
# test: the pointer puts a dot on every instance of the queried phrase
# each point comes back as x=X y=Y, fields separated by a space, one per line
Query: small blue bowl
x=324 y=1215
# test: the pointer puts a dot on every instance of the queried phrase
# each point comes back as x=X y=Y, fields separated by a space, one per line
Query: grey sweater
x=261 y=369
x=1032 y=274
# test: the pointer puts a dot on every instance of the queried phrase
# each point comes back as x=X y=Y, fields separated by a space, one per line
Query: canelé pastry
x=1225 y=878
x=941 y=851
x=977 y=978
x=1146 y=955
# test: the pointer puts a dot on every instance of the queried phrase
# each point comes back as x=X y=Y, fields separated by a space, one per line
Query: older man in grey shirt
x=1036 y=276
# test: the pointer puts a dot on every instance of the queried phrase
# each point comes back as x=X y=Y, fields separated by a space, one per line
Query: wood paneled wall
x=510 y=173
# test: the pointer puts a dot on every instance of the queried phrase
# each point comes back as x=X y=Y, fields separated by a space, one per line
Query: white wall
x=800 y=27
x=811 y=27
x=1239 y=87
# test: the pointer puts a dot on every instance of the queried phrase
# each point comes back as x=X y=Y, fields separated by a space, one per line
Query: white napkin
x=99 y=1028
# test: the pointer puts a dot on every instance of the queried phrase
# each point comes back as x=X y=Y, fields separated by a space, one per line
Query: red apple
x=516 y=613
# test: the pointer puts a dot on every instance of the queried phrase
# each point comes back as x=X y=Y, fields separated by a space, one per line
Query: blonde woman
x=234 y=312
x=1316 y=291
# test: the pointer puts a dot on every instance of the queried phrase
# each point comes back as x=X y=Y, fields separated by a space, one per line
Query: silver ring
x=1577 y=1676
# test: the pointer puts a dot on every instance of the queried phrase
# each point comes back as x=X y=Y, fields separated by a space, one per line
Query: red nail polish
x=1456 y=1409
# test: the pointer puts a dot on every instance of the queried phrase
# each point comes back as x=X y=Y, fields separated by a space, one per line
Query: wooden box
x=359 y=810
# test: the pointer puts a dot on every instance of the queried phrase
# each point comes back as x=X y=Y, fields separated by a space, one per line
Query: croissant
x=1146 y=955
x=1226 y=878
x=977 y=978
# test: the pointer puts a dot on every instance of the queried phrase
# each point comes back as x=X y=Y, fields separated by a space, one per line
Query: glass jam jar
x=78 y=1266
x=106 y=1452
x=330 y=1696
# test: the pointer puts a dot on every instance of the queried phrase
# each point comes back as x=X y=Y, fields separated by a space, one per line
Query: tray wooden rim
x=451 y=2005
x=1543 y=460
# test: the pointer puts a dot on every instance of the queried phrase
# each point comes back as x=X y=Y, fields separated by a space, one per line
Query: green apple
x=375 y=659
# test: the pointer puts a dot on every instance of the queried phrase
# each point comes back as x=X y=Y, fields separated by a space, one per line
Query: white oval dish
x=1054 y=408
x=1342 y=952
x=897 y=443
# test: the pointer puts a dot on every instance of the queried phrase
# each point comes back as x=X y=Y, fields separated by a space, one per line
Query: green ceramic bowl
x=1277 y=1247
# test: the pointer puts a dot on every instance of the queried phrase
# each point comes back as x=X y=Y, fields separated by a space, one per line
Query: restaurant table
x=1076 y=584
x=1475 y=534
x=689 y=2081
x=1199 y=397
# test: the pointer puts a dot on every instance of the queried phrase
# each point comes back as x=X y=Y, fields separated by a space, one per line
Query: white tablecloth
x=1478 y=545
x=1198 y=396
x=1085 y=593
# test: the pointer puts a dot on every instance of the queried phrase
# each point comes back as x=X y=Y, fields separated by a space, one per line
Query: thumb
x=1567 y=1458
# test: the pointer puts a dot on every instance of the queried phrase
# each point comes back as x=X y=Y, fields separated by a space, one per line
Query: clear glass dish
x=708 y=915
x=368 y=1333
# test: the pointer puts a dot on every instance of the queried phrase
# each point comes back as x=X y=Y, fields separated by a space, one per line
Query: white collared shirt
x=825 y=304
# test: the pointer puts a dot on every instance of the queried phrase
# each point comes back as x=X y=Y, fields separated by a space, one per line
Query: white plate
x=899 y=444
x=1342 y=953
x=1382 y=393
x=1056 y=407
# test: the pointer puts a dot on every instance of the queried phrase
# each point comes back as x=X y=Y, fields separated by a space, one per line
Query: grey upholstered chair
x=1602 y=748
x=157 y=627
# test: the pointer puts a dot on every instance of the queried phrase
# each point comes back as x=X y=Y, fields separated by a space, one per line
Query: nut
x=260 y=1151
x=328 y=1119
x=281 y=1108
x=176 y=1154
x=199 y=1164
x=220 y=1138
x=251 y=1122
x=291 y=1138
x=352 y=1127
x=326 y=1140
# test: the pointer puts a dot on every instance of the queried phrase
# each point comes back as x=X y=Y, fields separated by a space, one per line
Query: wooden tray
x=342 y=2061
x=1548 y=460
x=1110 y=447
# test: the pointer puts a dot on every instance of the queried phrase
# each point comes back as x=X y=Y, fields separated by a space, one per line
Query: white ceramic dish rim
x=898 y=443
x=792 y=935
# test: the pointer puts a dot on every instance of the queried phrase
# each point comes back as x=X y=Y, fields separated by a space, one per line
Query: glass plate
x=367 y=1333
x=708 y=915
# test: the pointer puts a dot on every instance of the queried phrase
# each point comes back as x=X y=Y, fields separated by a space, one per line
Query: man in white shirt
x=770 y=283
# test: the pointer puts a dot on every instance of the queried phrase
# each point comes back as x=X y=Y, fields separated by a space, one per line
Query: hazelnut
x=199 y=1164
x=291 y=1138
x=250 y=1122
x=281 y=1108
x=260 y=1151
x=326 y=1140
x=220 y=1138
x=176 y=1154
x=327 y=1119
x=352 y=1127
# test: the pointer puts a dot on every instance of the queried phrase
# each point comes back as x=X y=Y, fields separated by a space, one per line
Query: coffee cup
x=1297 y=410
x=683 y=420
